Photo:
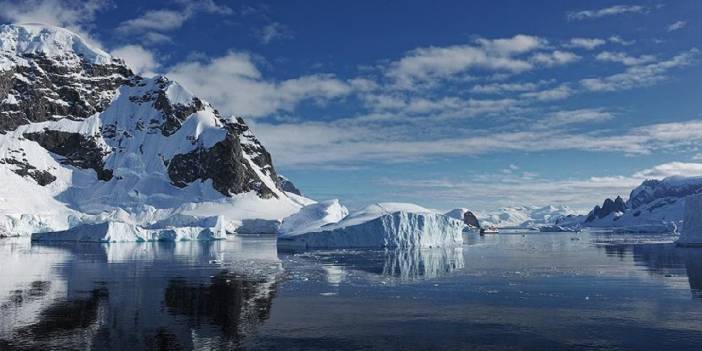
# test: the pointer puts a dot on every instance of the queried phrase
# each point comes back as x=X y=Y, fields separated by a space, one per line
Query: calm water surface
x=501 y=292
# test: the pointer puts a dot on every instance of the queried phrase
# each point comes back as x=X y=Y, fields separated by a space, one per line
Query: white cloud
x=140 y=60
x=585 y=43
x=618 y=40
x=424 y=65
x=640 y=75
x=164 y=20
x=589 y=115
x=68 y=13
x=364 y=141
x=677 y=26
x=623 y=58
x=273 y=31
x=74 y=15
x=499 y=88
x=159 y=20
x=236 y=86
x=608 y=11
x=554 y=58
x=671 y=169
x=557 y=93
x=490 y=191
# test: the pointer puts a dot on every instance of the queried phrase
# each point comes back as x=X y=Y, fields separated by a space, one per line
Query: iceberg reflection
x=403 y=264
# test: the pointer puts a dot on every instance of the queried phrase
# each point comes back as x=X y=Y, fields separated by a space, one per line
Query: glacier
x=379 y=225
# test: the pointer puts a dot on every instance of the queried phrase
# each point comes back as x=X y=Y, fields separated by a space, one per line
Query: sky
x=477 y=104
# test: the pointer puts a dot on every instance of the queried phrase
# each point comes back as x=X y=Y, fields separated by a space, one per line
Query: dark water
x=500 y=292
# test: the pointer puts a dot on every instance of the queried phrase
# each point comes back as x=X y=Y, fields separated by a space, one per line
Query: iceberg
x=692 y=222
x=314 y=216
x=379 y=225
x=113 y=231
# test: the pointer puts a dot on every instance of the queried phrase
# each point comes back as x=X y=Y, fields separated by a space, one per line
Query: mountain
x=85 y=140
x=524 y=216
x=653 y=206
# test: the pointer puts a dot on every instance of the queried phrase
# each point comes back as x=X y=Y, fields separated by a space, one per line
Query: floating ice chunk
x=692 y=222
x=381 y=225
x=113 y=231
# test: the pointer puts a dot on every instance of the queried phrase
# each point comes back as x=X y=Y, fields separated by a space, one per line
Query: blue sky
x=477 y=104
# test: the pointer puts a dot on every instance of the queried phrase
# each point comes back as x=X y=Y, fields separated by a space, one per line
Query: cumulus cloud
x=236 y=86
x=585 y=43
x=423 y=65
x=554 y=58
x=607 y=11
x=640 y=75
x=671 y=169
x=140 y=60
x=677 y=26
x=619 y=40
x=559 y=92
x=623 y=58
x=155 y=22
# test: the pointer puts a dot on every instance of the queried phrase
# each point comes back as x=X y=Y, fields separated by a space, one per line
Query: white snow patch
x=54 y=42
x=313 y=217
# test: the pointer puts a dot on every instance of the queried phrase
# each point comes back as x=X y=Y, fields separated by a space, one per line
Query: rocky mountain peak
x=77 y=120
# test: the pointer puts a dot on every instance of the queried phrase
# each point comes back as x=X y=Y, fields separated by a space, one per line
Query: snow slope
x=524 y=216
x=380 y=225
x=654 y=206
x=84 y=141
x=313 y=217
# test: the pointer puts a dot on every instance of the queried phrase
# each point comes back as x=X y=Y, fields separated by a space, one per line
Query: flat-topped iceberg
x=113 y=231
x=692 y=222
x=378 y=225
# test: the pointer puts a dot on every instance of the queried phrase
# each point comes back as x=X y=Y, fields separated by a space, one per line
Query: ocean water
x=520 y=291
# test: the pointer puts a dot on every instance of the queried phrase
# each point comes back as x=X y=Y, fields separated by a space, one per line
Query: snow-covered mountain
x=653 y=206
x=524 y=216
x=84 y=140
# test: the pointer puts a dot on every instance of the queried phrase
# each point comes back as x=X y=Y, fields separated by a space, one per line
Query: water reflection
x=401 y=264
x=664 y=259
x=150 y=296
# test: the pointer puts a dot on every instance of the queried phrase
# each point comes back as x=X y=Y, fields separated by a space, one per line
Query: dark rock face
x=609 y=206
x=653 y=189
x=469 y=218
x=173 y=114
x=24 y=169
x=223 y=163
x=288 y=186
x=77 y=149
x=47 y=89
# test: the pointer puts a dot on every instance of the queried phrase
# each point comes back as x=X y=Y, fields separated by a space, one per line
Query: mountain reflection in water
x=150 y=296
x=534 y=291
x=665 y=259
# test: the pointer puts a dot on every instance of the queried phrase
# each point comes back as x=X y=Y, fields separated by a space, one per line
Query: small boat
x=491 y=229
